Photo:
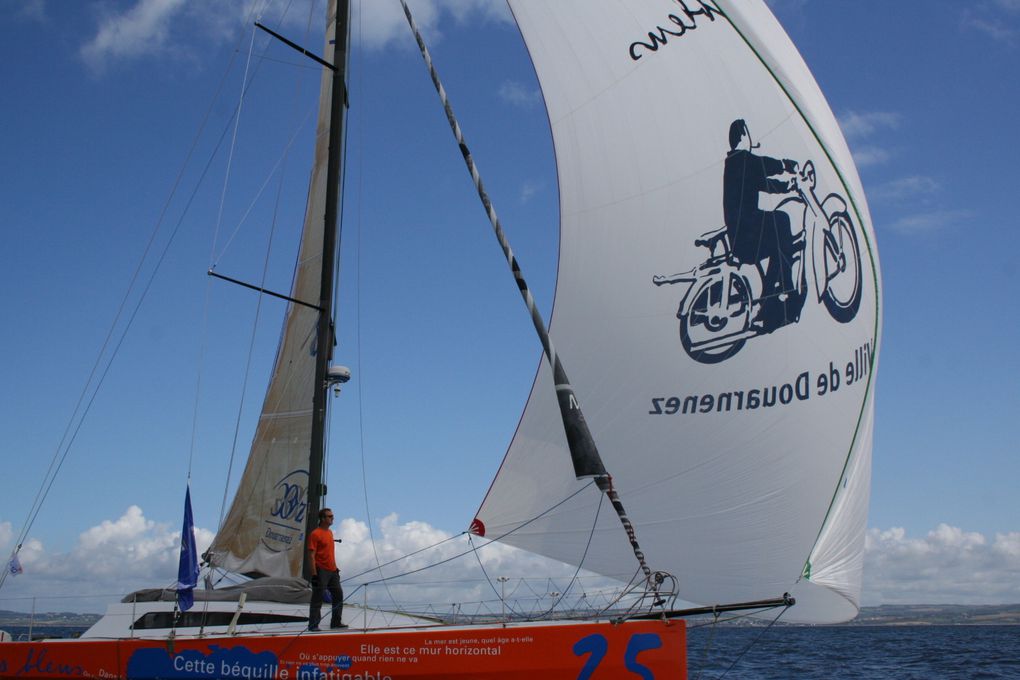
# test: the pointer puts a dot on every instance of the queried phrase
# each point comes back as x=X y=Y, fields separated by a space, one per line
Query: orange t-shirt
x=321 y=542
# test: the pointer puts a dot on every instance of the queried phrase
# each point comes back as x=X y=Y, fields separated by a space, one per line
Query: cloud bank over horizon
x=946 y=566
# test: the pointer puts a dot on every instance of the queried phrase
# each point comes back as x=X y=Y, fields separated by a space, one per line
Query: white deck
x=120 y=619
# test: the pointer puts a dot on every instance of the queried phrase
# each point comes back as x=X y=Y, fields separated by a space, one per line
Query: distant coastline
x=883 y=615
x=911 y=615
x=938 y=615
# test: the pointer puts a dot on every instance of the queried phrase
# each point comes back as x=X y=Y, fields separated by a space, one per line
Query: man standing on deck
x=327 y=576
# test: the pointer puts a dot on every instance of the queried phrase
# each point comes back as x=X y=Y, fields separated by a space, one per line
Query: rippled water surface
x=859 y=652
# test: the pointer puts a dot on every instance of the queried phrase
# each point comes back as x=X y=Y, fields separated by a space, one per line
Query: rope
x=481 y=566
x=483 y=195
x=606 y=484
x=212 y=256
x=355 y=73
x=450 y=559
x=708 y=644
x=754 y=641
x=584 y=556
x=71 y=430
x=584 y=453
x=279 y=167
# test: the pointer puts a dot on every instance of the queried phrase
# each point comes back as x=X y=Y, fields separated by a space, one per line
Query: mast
x=325 y=335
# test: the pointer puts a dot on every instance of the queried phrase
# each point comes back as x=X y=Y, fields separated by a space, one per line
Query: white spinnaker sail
x=264 y=529
x=744 y=496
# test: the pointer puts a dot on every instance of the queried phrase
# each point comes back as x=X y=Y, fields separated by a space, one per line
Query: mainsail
x=743 y=453
x=263 y=532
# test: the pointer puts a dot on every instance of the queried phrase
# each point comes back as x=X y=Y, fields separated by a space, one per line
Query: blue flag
x=187 y=571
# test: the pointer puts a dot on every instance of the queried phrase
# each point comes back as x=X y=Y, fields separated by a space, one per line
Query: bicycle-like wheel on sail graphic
x=842 y=268
x=713 y=324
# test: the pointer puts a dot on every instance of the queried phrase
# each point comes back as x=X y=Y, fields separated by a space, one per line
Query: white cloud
x=107 y=561
x=856 y=125
x=947 y=566
x=379 y=23
x=921 y=195
x=996 y=19
x=530 y=189
x=141 y=29
x=458 y=578
x=993 y=28
x=930 y=221
x=870 y=155
x=906 y=188
x=518 y=94
x=33 y=10
x=167 y=28
x=118 y=556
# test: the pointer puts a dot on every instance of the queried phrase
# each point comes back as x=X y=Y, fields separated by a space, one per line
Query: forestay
x=741 y=446
x=263 y=532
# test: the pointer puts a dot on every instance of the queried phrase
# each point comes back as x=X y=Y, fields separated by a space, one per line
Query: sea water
x=858 y=652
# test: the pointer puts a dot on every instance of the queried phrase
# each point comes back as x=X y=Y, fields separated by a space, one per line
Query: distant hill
x=938 y=614
x=903 y=615
x=66 y=619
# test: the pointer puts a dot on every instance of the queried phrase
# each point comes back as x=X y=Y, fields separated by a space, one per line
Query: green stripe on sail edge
x=806 y=573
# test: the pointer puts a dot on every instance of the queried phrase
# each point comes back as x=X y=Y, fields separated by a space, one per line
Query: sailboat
x=703 y=425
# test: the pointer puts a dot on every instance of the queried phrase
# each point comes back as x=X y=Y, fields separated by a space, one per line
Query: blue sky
x=101 y=105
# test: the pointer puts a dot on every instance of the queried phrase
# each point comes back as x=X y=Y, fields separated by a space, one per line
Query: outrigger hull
x=649 y=649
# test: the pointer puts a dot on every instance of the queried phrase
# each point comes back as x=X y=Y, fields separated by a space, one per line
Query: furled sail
x=263 y=532
x=717 y=308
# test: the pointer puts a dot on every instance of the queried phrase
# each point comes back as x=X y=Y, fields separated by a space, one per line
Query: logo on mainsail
x=285 y=521
x=755 y=279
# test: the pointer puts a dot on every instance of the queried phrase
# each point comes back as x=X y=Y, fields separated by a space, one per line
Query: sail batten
x=728 y=386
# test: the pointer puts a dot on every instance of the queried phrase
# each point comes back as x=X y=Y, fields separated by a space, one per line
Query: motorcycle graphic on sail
x=728 y=301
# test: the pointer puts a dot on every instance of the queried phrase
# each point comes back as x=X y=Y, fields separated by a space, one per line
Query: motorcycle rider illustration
x=757 y=235
x=755 y=279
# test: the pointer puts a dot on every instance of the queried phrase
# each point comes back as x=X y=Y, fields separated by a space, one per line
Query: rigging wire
x=279 y=165
x=754 y=641
x=404 y=557
x=79 y=414
x=708 y=644
x=279 y=170
x=584 y=556
x=462 y=554
x=583 y=451
x=212 y=256
x=213 y=259
x=481 y=566
x=573 y=579
x=355 y=74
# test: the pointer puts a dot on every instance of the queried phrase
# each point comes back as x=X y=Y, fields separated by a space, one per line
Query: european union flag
x=187 y=571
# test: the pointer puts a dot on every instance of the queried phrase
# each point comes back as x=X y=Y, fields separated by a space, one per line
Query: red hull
x=598 y=651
